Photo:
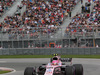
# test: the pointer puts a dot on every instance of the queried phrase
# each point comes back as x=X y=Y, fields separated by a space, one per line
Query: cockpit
x=55 y=58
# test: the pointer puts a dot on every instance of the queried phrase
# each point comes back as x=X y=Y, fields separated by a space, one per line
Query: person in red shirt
x=89 y=0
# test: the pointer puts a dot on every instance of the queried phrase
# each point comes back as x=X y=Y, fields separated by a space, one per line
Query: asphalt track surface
x=91 y=66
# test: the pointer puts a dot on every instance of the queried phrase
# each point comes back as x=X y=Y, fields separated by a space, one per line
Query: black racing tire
x=30 y=71
x=78 y=69
x=69 y=70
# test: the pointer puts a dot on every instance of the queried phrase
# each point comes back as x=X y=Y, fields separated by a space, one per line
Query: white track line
x=9 y=72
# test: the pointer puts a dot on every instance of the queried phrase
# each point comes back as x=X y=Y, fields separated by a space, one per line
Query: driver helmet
x=55 y=62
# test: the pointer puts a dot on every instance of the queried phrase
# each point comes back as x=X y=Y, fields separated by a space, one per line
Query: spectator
x=97 y=46
x=81 y=1
x=70 y=14
x=82 y=9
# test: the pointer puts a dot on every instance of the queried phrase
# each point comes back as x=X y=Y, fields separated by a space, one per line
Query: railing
x=42 y=37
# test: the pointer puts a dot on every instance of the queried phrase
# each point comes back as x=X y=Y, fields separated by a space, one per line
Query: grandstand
x=40 y=25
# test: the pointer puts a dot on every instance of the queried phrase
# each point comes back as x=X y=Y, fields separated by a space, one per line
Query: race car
x=56 y=67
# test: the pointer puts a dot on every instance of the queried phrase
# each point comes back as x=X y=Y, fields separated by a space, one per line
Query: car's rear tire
x=29 y=71
x=69 y=70
x=78 y=69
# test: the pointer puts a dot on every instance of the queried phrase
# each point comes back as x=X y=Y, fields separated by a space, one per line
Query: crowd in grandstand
x=4 y=5
x=48 y=14
x=85 y=22
x=94 y=18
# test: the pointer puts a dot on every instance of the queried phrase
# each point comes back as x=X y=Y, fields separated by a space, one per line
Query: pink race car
x=56 y=67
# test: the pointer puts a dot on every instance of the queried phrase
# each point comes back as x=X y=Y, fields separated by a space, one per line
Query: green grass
x=2 y=72
x=48 y=56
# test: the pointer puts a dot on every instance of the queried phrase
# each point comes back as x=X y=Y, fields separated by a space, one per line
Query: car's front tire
x=78 y=69
x=69 y=70
x=30 y=71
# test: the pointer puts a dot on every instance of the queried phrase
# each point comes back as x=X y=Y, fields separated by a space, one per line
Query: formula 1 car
x=56 y=67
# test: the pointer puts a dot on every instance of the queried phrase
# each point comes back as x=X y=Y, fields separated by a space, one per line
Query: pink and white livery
x=56 y=67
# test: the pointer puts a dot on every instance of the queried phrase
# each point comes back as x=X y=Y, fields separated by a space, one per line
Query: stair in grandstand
x=11 y=10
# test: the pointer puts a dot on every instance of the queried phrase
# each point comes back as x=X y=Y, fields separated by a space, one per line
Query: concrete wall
x=45 y=51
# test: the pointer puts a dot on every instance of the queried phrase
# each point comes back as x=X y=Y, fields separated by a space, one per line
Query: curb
x=7 y=69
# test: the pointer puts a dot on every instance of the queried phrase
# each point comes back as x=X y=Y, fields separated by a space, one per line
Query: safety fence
x=44 y=37
x=46 y=51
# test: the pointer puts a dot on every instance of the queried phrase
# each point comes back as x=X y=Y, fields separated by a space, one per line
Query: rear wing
x=66 y=59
